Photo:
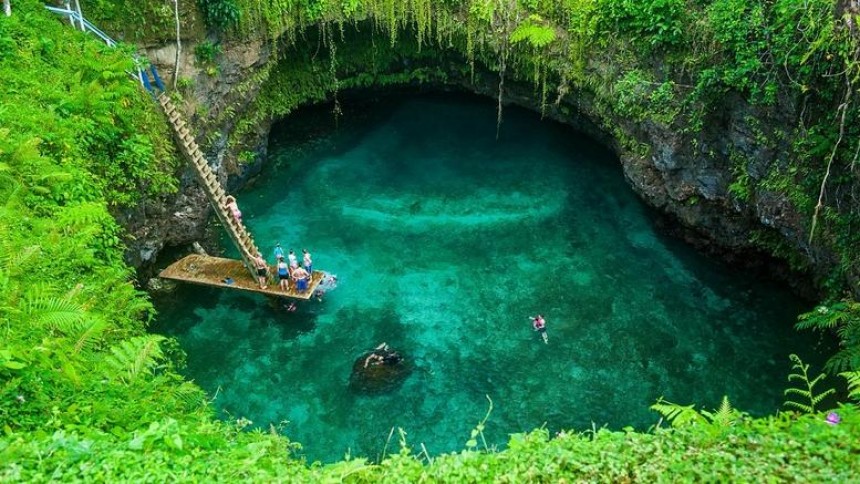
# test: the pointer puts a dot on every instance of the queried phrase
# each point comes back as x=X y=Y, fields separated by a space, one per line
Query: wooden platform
x=212 y=271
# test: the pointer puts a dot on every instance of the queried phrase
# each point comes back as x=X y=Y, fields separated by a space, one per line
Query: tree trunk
x=7 y=7
x=178 y=44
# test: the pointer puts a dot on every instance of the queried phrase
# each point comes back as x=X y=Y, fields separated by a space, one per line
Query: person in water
x=539 y=325
x=283 y=274
x=301 y=277
x=382 y=355
x=262 y=270
x=279 y=252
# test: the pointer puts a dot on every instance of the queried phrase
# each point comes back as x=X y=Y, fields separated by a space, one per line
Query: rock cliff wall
x=686 y=174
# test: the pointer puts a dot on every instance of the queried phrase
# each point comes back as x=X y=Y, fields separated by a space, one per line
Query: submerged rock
x=159 y=285
x=380 y=377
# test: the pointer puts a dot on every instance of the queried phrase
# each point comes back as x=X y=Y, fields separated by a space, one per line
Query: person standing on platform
x=301 y=278
x=262 y=270
x=291 y=257
x=283 y=274
x=308 y=263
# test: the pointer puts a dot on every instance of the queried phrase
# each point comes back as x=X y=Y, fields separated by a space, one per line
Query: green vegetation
x=86 y=394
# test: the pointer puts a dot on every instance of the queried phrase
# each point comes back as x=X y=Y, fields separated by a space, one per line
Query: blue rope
x=158 y=82
x=145 y=78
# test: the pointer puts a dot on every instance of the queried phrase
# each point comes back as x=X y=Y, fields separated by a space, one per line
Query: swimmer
x=291 y=307
x=539 y=325
x=373 y=359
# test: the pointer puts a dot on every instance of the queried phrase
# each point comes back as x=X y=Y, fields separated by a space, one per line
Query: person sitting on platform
x=301 y=277
x=262 y=270
x=233 y=207
x=283 y=274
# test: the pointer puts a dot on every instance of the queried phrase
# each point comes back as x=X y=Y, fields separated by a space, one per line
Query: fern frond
x=803 y=408
x=725 y=416
x=89 y=334
x=797 y=391
x=189 y=394
x=844 y=360
x=54 y=313
x=808 y=392
x=821 y=396
x=678 y=415
x=853 y=378
x=134 y=357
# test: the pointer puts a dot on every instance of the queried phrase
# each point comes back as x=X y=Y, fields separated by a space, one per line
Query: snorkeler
x=539 y=325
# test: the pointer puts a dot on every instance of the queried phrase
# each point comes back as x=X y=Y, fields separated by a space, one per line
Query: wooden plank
x=213 y=271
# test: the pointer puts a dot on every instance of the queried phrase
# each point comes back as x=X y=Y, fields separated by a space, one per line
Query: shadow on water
x=445 y=241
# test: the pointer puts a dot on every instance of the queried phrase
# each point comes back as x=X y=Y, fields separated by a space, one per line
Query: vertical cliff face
x=689 y=174
x=214 y=93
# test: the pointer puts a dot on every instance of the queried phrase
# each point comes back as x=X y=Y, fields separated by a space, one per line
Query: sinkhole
x=445 y=240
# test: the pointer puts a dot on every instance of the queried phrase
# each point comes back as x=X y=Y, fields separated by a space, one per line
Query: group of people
x=286 y=269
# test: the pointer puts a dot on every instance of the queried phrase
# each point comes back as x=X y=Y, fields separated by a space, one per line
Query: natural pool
x=444 y=241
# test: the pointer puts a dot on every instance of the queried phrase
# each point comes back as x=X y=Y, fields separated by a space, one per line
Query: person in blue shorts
x=301 y=278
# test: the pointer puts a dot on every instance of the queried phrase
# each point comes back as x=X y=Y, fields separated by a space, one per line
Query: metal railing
x=84 y=24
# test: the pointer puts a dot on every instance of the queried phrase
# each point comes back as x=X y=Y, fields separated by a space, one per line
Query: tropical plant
x=843 y=318
x=853 y=378
x=806 y=387
x=687 y=415
x=220 y=14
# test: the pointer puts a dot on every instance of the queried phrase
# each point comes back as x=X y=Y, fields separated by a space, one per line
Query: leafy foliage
x=220 y=14
x=806 y=387
x=86 y=395
x=842 y=317
x=853 y=378
x=687 y=415
x=534 y=32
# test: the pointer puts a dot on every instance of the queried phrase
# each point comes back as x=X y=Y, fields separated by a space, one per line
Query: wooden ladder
x=214 y=191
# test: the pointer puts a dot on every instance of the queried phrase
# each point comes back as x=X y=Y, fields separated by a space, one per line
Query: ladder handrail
x=88 y=26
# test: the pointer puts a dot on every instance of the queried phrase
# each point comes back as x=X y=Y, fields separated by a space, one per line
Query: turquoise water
x=444 y=241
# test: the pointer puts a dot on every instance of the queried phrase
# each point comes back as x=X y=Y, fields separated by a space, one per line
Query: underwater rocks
x=373 y=376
